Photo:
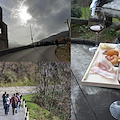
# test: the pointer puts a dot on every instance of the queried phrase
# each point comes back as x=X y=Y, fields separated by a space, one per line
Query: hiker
x=4 y=98
x=56 y=42
x=18 y=103
x=7 y=104
x=20 y=100
x=14 y=102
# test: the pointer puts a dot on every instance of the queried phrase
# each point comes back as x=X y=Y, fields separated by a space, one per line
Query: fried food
x=112 y=52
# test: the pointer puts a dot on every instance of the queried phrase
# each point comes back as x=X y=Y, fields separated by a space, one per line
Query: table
x=96 y=79
x=88 y=102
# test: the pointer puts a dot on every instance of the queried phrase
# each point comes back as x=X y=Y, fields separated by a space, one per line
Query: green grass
x=18 y=83
x=63 y=53
x=83 y=32
x=85 y=12
x=12 y=83
x=36 y=112
x=116 y=20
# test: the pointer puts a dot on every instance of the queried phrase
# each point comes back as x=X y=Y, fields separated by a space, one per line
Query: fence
x=26 y=111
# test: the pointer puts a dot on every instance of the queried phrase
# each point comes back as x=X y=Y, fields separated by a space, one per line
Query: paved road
x=11 y=90
x=43 y=53
x=17 y=116
x=88 y=103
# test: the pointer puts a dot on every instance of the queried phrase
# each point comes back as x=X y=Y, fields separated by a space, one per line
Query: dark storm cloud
x=48 y=17
x=51 y=14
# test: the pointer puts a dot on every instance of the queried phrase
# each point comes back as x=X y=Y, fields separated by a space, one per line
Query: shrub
x=76 y=11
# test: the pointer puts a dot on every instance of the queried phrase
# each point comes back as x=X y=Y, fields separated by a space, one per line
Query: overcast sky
x=46 y=17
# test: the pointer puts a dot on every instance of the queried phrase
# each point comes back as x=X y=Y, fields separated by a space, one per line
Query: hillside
x=54 y=37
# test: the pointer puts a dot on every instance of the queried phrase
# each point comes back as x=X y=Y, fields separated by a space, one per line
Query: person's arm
x=16 y=99
x=94 y=3
x=11 y=100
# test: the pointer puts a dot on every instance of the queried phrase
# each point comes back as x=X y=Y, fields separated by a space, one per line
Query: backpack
x=4 y=98
x=14 y=104
x=14 y=99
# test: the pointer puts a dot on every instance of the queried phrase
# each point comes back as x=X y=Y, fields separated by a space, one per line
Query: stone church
x=3 y=33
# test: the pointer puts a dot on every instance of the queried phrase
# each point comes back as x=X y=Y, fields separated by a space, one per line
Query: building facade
x=3 y=33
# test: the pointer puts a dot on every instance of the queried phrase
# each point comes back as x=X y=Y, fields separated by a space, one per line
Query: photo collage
x=59 y=60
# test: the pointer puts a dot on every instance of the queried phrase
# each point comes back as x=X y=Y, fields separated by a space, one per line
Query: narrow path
x=11 y=90
x=17 y=116
x=43 y=53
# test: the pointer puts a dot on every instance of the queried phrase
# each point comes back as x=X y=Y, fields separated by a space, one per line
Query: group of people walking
x=15 y=101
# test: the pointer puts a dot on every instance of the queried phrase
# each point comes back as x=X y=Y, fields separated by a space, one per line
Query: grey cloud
x=48 y=18
x=51 y=14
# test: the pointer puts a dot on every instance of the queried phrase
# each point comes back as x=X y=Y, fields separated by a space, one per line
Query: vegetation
x=17 y=74
x=85 y=12
x=63 y=49
x=76 y=11
x=63 y=53
x=36 y=112
x=83 y=32
x=53 y=85
x=53 y=91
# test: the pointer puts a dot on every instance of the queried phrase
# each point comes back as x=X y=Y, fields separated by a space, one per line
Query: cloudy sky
x=46 y=17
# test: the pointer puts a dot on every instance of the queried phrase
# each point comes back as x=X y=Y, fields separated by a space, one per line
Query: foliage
x=63 y=53
x=116 y=20
x=111 y=32
x=85 y=12
x=35 y=111
x=83 y=32
x=17 y=74
x=53 y=91
x=76 y=11
x=53 y=85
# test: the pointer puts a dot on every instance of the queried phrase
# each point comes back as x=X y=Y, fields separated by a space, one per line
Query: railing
x=26 y=111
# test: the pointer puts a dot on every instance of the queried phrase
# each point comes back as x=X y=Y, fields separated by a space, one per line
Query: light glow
x=23 y=14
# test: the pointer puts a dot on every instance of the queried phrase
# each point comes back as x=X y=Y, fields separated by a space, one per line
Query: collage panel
x=35 y=30
x=42 y=89
x=35 y=55
x=95 y=51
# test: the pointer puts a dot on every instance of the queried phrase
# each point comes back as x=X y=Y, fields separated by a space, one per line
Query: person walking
x=7 y=104
x=56 y=42
x=20 y=100
x=18 y=103
x=14 y=102
x=4 y=99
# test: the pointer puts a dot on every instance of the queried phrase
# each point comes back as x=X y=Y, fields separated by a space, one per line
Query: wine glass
x=96 y=23
x=115 y=106
x=115 y=110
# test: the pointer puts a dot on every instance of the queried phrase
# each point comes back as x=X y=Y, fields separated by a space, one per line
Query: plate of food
x=104 y=70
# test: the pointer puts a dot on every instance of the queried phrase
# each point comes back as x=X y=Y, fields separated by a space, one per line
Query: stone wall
x=3 y=44
x=3 y=33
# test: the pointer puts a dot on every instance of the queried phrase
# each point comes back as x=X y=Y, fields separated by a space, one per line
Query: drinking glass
x=115 y=106
x=115 y=110
x=96 y=23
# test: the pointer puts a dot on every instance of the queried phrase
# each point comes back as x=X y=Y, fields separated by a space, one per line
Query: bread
x=107 y=46
x=115 y=60
x=112 y=52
